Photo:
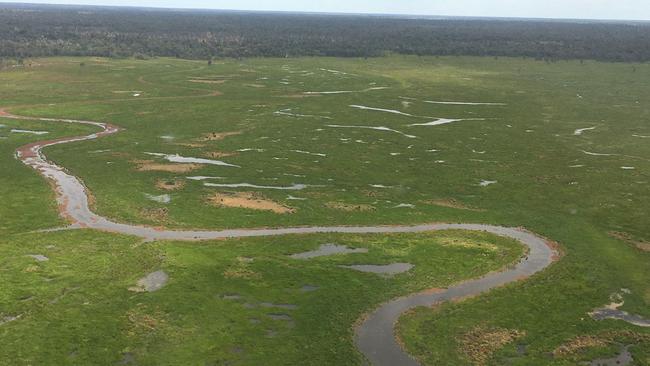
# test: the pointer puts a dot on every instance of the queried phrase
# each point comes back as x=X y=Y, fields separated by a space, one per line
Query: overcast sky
x=581 y=9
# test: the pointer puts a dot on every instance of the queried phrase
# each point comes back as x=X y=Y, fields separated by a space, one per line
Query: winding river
x=375 y=336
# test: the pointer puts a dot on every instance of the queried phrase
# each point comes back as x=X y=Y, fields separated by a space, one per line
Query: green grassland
x=545 y=181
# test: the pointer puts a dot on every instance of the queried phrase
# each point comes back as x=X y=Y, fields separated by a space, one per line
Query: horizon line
x=376 y=14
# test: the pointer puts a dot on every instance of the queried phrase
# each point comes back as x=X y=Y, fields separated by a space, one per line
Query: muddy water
x=374 y=337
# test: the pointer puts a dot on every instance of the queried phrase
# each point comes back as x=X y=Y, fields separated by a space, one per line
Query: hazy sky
x=583 y=9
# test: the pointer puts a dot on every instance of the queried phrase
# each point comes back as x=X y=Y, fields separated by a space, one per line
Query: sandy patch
x=219 y=154
x=217 y=136
x=640 y=244
x=579 y=344
x=170 y=185
x=349 y=206
x=189 y=144
x=150 y=166
x=249 y=200
x=450 y=203
x=479 y=344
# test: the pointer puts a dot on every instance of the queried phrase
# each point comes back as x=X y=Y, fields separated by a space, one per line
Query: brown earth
x=170 y=185
x=216 y=136
x=349 y=206
x=249 y=200
x=639 y=244
x=479 y=344
x=219 y=154
x=150 y=166
x=450 y=203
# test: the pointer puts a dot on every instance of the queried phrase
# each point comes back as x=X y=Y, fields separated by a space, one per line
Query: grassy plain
x=576 y=189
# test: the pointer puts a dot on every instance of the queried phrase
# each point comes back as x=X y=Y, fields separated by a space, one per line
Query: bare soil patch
x=219 y=154
x=582 y=343
x=480 y=344
x=640 y=244
x=249 y=200
x=349 y=206
x=450 y=203
x=170 y=185
x=217 y=136
x=150 y=166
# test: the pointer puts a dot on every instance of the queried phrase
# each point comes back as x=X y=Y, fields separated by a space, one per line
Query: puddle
x=378 y=128
x=308 y=153
x=309 y=288
x=641 y=136
x=405 y=205
x=327 y=250
x=9 y=319
x=444 y=121
x=152 y=282
x=485 y=183
x=251 y=149
x=283 y=317
x=337 y=72
x=380 y=186
x=29 y=132
x=628 y=168
x=175 y=158
x=596 y=154
x=461 y=103
x=393 y=111
x=231 y=297
x=388 y=269
x=163 y=198
x=611 y=311
x=200 y=178
x=580 y=131
x=294 y=187
x=167 y=138
x=287 y=112
x=292 y=198
x=622 y=359
x=39 y=257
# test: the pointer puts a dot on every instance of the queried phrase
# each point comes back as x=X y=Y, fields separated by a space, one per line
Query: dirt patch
x=155 y=214
x=170 y=185
x=150 y=166
x=350 y=207
x=189 y=144
x=480 y=344
x=582 y=343
x=219 y=154
x=639 y=244
x=450 y=203
x=249 y=200
x=579 y=344
x=217 y=136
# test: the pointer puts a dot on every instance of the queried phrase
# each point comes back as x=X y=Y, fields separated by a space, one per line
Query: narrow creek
x=374 y=337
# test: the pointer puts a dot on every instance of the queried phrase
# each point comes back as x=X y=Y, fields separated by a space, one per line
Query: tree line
x=40 y=30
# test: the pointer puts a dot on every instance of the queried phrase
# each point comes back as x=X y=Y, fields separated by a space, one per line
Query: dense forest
x=38 y=30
